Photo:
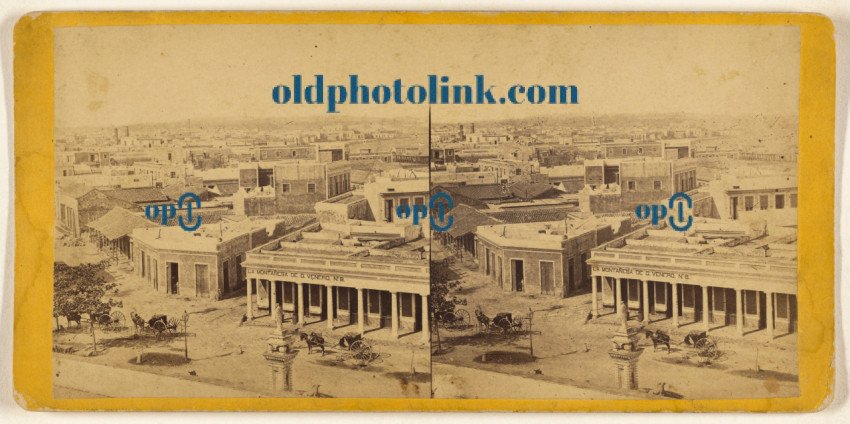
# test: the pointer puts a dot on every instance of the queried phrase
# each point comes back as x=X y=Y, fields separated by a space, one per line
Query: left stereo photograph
x=210 y=245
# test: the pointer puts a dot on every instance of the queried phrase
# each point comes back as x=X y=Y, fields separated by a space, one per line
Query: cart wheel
x=503 y=324
x=118 y=319
x=462 y=318
x=357 y=345
x=172 y=325
x=711 y=348
x=104 y=320
x=364 y=353
x=159 y=327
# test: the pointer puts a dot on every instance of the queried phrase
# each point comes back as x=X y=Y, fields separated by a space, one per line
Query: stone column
x=739 y=312
x=360 y=311
x=394 y=314
x=329 y=306
x=593 y=310
x=604 y=281
x=674 y=301
x=272 y=296
x=645 y=301
x=299 y=303
x=769 y=314
x=426 y=329
x=249 y=309
x=618 y=289
x=705 y=324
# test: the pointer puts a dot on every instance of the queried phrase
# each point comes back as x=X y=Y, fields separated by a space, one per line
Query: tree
x=81 y=289
x=441 y=299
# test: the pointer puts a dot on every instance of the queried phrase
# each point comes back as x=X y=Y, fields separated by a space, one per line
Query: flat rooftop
x=368 y=243
x=713 y=238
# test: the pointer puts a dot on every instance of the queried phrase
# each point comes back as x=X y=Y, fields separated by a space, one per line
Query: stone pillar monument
x=625 y=353
x=279 y=357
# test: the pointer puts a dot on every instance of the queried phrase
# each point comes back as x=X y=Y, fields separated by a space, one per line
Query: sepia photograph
x=639 y=245
x=426 y=211
x=212 y=244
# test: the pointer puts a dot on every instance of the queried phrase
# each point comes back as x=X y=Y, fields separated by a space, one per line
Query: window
x=634 y=290
x=315 y=295
x=285 y=188
x=293 y=153
x=792 y=198
x=173 y=174
x=748 y=203
x=750 y=305
x=719 y=296
x=406 y=300
x=288 y=289
x=656 y=185
x=781 y=305
x=780 y=201
x=661 y=294
x=623 y=151
x=631 y=185
x=687 y=296
x=418 y=200
x=311 y=187
x=374 y=302
x=519 y=171
x=640 y=150
x=342 y=298
x=764 y=202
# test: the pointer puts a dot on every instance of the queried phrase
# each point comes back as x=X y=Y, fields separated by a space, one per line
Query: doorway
x=517 y=274
x=173 y=277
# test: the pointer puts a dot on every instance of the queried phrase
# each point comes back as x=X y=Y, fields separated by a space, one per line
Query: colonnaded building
x=718 y=274
x=350 y=271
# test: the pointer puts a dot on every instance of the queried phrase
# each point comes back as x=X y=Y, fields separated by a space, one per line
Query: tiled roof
x=118 y=223
x=530 y=190
x=523 y=215
x=137 y=195
x=466 y=219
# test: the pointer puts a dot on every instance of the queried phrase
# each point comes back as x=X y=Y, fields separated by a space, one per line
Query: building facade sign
x=642 y=272
x=311 y=276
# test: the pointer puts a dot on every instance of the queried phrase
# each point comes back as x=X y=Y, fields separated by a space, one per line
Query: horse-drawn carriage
x=353 y=343
x=158 y=325
x=359 y=349
x=702 y=344
x=504 y=322
x=107 y=321
x=453 y=320
x=705 y=345
x=112 y=321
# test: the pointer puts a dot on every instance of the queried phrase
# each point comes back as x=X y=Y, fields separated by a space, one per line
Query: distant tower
x=116 y=137
x=126 y=131
x=461 y=132
x=472 y=128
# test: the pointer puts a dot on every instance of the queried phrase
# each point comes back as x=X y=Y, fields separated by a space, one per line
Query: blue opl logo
x=166 y=212
x=677 y=204
x=440 y=204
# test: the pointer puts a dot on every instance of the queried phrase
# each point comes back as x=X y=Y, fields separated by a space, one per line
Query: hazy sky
x=109 y=76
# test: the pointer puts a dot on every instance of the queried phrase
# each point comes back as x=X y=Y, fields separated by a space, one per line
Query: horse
x=483 y=320
x=658 y=338
x=74 y=317
x=138 y=321
x=313 y=339
x=348 y=339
